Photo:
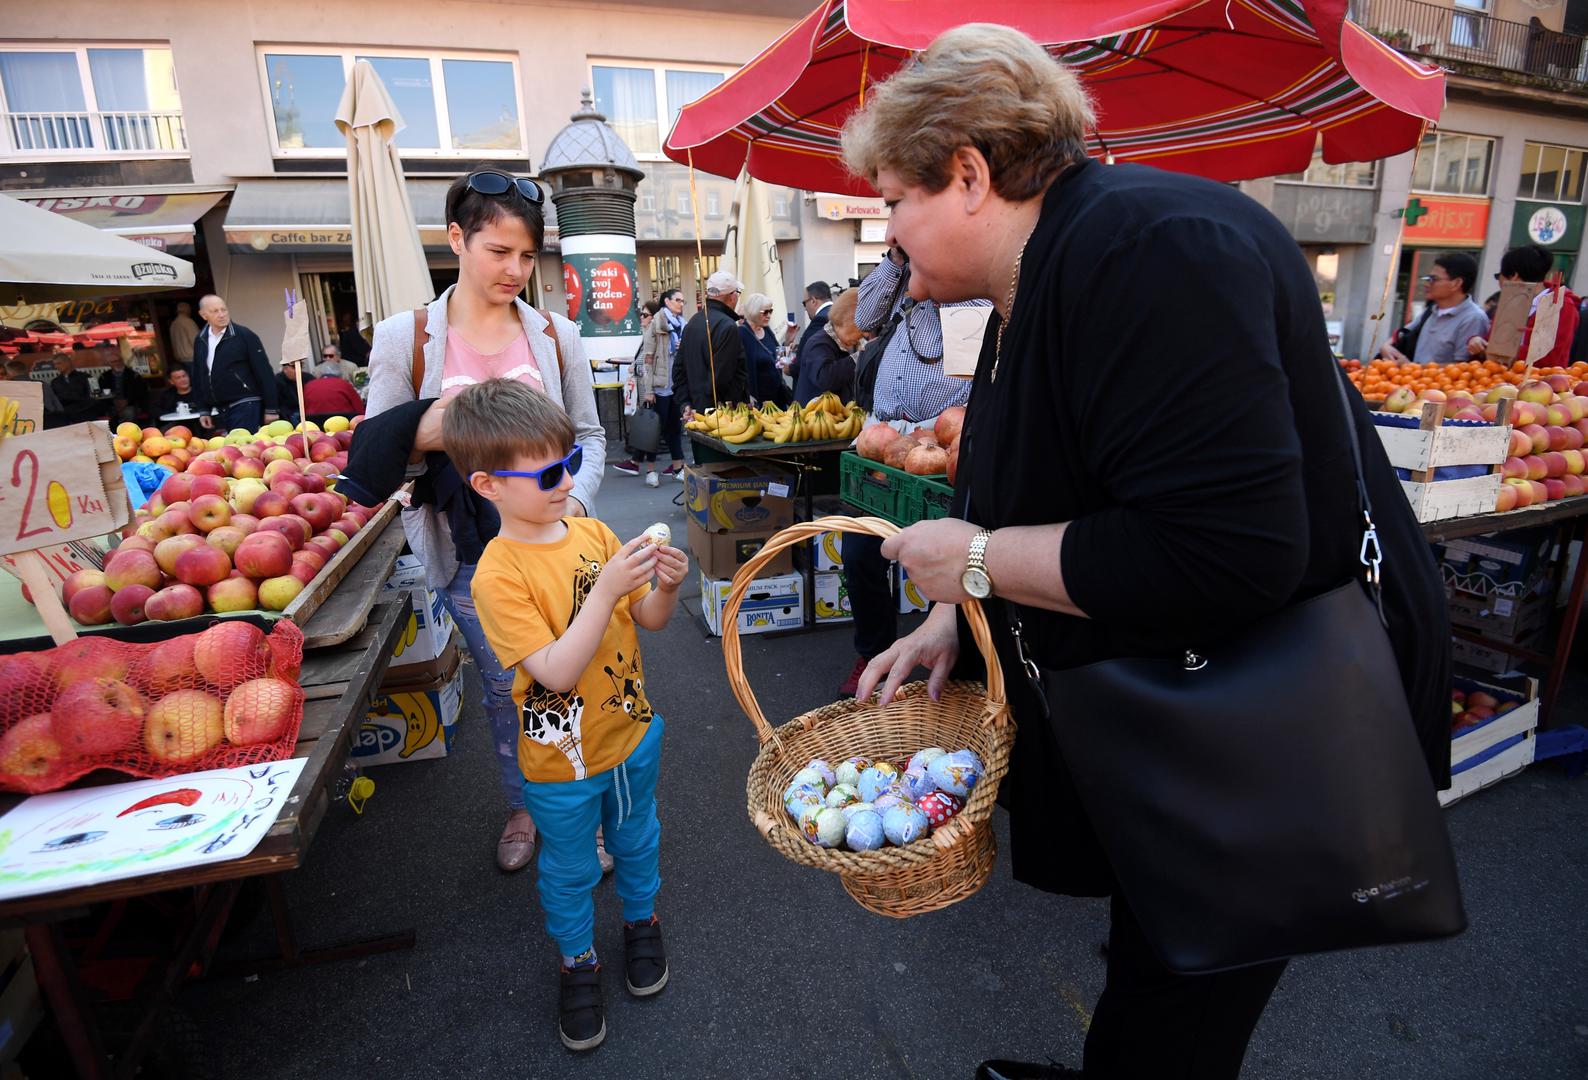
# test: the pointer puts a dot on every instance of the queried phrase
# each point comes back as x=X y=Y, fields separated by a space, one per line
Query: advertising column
x=600 y=276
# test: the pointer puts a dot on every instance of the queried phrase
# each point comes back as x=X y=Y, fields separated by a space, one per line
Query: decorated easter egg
x=809 y=777
x=796 y=798
x=877 y=779
x=842 y=795
x=955 y=773
x=831 y=826
x=904 y=823
x=888 y=799
x=864 y=832
x=807 y=820
x=824 y=769
x=849 y=772
x=914 y=783
x=922 y=758
x=854 y=808
x=939 y=806
x=659 y=534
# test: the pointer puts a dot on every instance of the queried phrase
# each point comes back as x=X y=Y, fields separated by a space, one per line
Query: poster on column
x=603 y=293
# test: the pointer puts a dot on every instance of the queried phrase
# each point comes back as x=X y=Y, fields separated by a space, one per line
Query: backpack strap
x=551 y=332
x=421 y=339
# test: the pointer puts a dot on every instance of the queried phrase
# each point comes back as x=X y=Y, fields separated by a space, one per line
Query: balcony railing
x=1463 y=36
x=62 y=134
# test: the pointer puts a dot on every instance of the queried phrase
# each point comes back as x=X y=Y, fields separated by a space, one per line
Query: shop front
x=1333 y=225
x=1436 y=225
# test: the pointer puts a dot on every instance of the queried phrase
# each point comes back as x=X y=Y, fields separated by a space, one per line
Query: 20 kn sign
x=70 y=503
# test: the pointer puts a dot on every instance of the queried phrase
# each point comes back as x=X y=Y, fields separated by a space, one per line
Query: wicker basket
x=935 y=871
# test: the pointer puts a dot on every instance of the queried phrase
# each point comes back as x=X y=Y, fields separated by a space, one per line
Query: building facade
x=208 y=131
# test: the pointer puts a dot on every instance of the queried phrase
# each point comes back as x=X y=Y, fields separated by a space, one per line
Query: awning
x=45 y=257
x=309 y=216
x=162 y=220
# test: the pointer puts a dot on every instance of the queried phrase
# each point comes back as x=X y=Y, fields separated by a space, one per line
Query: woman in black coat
x=1155 y=453
x=826 y=362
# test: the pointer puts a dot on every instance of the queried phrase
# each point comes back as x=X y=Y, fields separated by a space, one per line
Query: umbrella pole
x=303 y=413
x=700 y=264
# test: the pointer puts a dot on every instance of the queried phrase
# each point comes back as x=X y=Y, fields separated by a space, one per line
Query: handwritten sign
x=28 y=415
x=963 y=331
x=52 y=488
x=63 y=560
x=295 y=344
x=1510 y=318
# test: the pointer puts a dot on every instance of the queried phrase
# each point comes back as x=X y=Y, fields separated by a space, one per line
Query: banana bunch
x=823 y=419
x=730 y=423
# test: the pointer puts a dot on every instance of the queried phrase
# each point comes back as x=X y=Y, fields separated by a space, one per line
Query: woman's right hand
x=428 y=435
x=934 y=645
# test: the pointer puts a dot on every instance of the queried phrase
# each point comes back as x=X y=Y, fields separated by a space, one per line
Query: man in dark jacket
x=695 y=363
x=178 y=397
x=818 y=299
x=126 y=387
x=74 y=391
x=231 y=373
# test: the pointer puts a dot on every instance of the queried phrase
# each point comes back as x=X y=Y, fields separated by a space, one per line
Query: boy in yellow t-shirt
x=559 y=599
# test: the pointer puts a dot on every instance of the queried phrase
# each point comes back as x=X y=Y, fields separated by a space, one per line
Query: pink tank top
x=464 y=366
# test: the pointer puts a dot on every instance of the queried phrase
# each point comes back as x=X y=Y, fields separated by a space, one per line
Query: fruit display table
x=339 y=678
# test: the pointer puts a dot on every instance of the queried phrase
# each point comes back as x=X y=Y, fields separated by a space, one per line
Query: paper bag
x=1510 y=319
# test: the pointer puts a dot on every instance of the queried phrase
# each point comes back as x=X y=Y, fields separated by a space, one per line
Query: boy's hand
x=631 y=567
x=672 y=566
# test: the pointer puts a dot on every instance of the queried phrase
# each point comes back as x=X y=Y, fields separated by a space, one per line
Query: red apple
x=323 y=449
x=91 y=606
x=287 y=525
x=131 y=566
x=259 y=711
x=203 y=467
x=1554 y=464
x=338 y=535
x=290 y=486
x=168 y=666
x=1540 y=492
x=136 y=543
x=248 y=468
x=207 y=485
x=347 y=524
x=325 y=545
x=176 y=488
x=78 y=581
x=1556 y=488
x=30 y=751
x=264 y=555
x=1514 y=467
x=209 y=512
x=166 y=552
x=295 y=446
x=126 y=606
x=320 y=468
x=175 y=602
x=184 y=726
x=1536 y=467
x=231 y=652
x=302 y=571
x=313 y=483
x=236 y=593
x=1573 y=485
x=1505 y=499
x=1524 y=491
x=202 y=566
x=271 y=504
x=317 y=511
x=344 y=440
x=176 y=521
x=227 y=537
x=97 y=717
x=277 y=592
x=1539 y=437
x=87 y=658
x=312 y=556
x=246 y=522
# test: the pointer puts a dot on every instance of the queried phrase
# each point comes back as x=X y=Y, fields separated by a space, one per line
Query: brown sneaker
x=517 y=845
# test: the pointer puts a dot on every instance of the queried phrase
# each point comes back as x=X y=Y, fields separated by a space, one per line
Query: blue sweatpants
x=623 y=802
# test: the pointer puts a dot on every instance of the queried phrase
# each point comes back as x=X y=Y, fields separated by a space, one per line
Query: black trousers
x=870 y=594
x=1155 y=1025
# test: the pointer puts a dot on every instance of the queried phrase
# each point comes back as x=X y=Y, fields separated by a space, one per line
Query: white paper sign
x=89 y=836
x=963 y=330
x=778 y=490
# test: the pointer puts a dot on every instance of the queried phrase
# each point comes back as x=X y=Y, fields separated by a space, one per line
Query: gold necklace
x=1009 y=306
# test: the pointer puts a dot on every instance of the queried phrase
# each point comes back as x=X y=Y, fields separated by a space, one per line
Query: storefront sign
x=839 y=207
x=1437 y=221
x=1556 y=226
x=601 y=288
x=1326 y=215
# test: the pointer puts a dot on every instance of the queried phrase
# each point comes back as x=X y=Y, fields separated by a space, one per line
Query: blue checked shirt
x=908 y=389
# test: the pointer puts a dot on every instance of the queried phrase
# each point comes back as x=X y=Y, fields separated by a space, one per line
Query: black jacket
x=693 y=366
x=1227 y=496
x=241 y=370
x=132 y=388
x=823 y=365
x=818 y=321
x=167 y=401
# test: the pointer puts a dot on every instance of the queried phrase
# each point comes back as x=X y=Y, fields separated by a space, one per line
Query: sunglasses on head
x=549 y=476
x=491 y=182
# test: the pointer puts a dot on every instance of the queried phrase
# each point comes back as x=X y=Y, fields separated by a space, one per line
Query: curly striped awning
x=1228 y=89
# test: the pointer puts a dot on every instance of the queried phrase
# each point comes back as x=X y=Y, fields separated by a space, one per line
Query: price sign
x=53 y=489
x=62 y=560
x=963 y=331
x=21 y=407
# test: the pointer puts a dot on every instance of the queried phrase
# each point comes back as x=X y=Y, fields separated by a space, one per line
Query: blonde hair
x=981 y=85
x=754 y=304
x=491 y=424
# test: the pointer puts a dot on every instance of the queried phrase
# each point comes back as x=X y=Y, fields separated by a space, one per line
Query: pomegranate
x=927 y=461
x=948 y=425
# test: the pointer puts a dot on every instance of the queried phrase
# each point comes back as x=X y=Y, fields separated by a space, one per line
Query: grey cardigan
x=391 y=384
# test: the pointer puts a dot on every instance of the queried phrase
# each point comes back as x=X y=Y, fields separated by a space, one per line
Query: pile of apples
x=1470 y=710
x=245 y=525
x=1549 y=427
x=220 y=695
x=926 y=451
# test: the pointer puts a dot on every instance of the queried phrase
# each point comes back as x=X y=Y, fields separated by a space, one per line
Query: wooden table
x=339 y=681
x=1570 y=516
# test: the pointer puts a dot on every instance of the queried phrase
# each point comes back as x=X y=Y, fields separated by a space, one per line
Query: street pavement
x=777 y=973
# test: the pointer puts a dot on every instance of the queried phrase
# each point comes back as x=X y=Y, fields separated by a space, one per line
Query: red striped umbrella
x=1228 y=89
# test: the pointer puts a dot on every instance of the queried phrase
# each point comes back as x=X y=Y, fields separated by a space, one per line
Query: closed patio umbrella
x=750 y=250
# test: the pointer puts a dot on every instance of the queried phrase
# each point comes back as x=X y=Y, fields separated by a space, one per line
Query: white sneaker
x=651 y=480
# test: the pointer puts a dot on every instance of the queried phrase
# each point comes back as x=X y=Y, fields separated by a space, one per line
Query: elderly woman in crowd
x=760 y=350
x=826 y=359
x=1128 y=494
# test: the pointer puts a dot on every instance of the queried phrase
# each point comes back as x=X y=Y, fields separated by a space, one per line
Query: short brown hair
x=980 y=85
x=489 y=425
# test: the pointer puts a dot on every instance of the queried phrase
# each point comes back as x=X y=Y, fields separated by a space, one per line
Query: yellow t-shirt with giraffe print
x=526 y=596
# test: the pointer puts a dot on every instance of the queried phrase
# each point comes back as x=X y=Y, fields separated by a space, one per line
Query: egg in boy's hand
x=671 y=564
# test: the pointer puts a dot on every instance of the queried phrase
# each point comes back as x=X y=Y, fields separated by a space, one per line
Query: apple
x=1538 y=436
x=201 y=467
x=125 y=448
x=1500 y=392
x=131 y=566
x=295 y=446
x=1524 y=413
x=1575 y=406
x=312 y=483
x=128 y=430
x=1536 y=468
x=1469 y=414
x=127 y=604
x=287 y=525
x=184 y=726
x=1524 y=491
x=22 y=675
x=1573 y=485
x=209 y=512
x=246 y=522
x=230 y=454
x=270 y=504
x=1558 y=382
x=231 y=652
x=273 y=454
x=91 y=606
x=78 y=581
x=202 y=566
x=175 y=602
x=136 y=543
x=1399 y=399
x=1521 y=445
x=156 y=446
x=208 y=485
x=151 y=432
x=247 y=468
x=288 y=484
x=97 y=717
x=1504 y=500
x=1514 y=467
x=166 y=552
x=1574 y=438
x=227 y=537
x=1576 y=463
x=357 y=420
x=1540 y=492
x=30 y=750
x=316 y=510
x=311 y=556
x=338 y=535
x=236 y=593
x=277 y=592
x=85 y=659
x=321 y=469
x=252 y=452
x=154 y=531
x=1557 y=437
x=168 y=666
x=1554 y=464
x=301 y=571
x=1538 y=392
x=264 y=555
x=179 y=431
x=1556 y=488
x=245 y=491
x=323 y=448
x=259 y=711
x=344 y=440
x=175 y=520
x=347 y=524
x=176 y=488
x=325 y=545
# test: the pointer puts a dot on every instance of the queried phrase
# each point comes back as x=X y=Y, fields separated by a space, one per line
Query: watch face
x=977 y=583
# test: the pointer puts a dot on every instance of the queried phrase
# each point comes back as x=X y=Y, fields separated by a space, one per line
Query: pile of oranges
x=1377 y=378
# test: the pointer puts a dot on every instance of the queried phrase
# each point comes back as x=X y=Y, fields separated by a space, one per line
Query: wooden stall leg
x=64 y=992
x=290 y=955
x=1568 y=628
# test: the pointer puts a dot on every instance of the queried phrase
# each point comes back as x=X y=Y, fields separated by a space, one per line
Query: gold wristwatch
x=975 y=580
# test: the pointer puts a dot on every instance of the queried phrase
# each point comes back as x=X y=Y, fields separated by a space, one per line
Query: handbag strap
x=1371 y=555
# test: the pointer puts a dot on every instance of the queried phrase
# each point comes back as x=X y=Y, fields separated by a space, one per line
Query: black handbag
x=1264 y=796
x=645 y=430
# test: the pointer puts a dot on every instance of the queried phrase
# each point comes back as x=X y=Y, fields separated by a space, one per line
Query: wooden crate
x=1475 y=761
x=1437 y=443
x=1437 y=500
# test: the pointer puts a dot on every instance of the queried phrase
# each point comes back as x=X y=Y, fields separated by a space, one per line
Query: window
x=74 y=101
x=451 y=105
x=1551 y=173
x=1346 y=174
x=641 y=103
x=1468 y=24
x=1451 y=164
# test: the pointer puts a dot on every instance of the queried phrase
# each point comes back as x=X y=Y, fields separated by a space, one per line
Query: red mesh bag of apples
x=221 y=698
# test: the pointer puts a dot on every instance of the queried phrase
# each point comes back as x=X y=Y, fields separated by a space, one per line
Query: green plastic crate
x=889 y=493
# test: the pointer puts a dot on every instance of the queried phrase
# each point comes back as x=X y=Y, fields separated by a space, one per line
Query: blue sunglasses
x=549 y=476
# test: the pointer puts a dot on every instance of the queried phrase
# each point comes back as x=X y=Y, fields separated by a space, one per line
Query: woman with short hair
x=1155 y=454
x=760 y=350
